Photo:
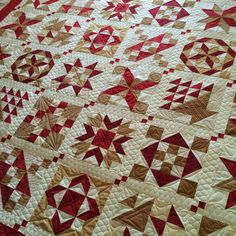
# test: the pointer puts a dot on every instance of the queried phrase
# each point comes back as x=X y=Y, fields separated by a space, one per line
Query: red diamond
x=201 y=204
x=193 y=208
x=103 y=138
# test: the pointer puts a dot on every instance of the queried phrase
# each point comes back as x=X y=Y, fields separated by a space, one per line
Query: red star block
x=131 y=88
x=218 y=17
x=121 y=10
x=104 y=37
x=231 y=167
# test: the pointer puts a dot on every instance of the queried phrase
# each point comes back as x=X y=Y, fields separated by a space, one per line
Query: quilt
x=118 y=117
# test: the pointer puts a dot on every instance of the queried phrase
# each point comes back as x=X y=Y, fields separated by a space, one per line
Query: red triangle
x=66 y=205
x=177 y=81
x=94 y=73
x=6 y=109
x=49 y=35
x=231 y=201
x=40 y=38
x=154 y=11
x=126 y=232
x=78 y=63
x=166 y=106
x=163 y=178
x=66 y=7
x=136 y=47
x=186 y=84
x=184 y=91
x=62 y=86
x=143 y=55
x=26 y=96
x=8 y=119
x=20 y=104
x=173 y=90
x=208 y=88
x=4 y=89
x=11 y=92
x=197 y=86
x=174 y=218
x=157 y=39
x=76 y=89
x=163 y=21
x=14 y=112
x=173 y=3
x=68 y=67
x=170 y=97
x=180 y=100
x=159 y=225
x=149 y=153
x=230 y=165
x=67 y=27
x=59 y=227
x=191 y=164
x=176 y=139
x=88 y=85
x=23 y=185
x=12 y=102
x=163 y=46
x=18 y=94
x=194 y=94
x=76 y=24
x=60 y=79
x=5 y=98
x=20 y=161
x=6 y=193
x=92 y=66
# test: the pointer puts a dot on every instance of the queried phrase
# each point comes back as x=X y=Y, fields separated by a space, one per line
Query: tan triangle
x=209 y=226
x=110 y=157
x=130 y=201
x=228 y=185
x=197 y=108
x=136 y=218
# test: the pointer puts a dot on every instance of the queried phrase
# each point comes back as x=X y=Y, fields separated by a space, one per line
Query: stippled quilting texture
x=118 y=117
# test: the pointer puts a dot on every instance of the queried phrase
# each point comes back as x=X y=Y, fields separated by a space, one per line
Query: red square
x=117 y=182
x=193 y=208
x=57 y=128
x=103 y=138
x=24 y=223
x=44 y=133
x=69 y=123
x=201 y=204
x=51 y=109
x=221 y=135
x=213 y=138
x=124 y=178
x=28 y=118
x=40 y=114
x=32 y=138
x=62 y=105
